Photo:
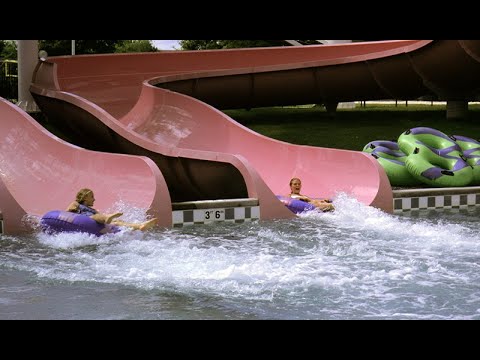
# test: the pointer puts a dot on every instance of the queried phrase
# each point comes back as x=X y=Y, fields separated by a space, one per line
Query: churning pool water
x=355 y=263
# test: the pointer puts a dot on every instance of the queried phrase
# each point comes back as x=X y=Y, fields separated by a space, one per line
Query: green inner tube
x=397 y=173
x=471 y=151
x=435 y=158
x=393 y=162
x=439 y=171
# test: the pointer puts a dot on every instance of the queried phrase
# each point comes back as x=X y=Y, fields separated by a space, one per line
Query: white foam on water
x=356 y=262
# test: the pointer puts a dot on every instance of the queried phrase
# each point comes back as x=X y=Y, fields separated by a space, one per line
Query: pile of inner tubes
x=424 y=155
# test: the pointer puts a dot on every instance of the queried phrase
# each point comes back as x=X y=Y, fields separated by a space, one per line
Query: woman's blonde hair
x=82 y=194
x=293 y=179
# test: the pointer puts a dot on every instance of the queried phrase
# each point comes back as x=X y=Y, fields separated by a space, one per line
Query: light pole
x=73 y=47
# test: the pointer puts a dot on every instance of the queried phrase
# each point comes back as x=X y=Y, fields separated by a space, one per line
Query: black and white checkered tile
x=460 y=201
x=206 y=216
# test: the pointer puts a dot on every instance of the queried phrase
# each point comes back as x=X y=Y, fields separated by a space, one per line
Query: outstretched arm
x=324 y=205
x=105 y=218
x=309 y=199
x=300 y=197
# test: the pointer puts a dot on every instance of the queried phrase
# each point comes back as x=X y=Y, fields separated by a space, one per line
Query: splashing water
x=355 y=263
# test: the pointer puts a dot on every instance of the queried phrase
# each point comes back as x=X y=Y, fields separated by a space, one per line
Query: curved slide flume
x=192 y=124
x=191 y=174
x=40 y=172
x=154 y=104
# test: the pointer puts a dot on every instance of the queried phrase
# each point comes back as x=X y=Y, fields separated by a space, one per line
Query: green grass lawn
x=352 y=129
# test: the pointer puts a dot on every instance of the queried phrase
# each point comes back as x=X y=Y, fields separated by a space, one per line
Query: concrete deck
x=206 y=212
x=242 y=210
x=435 y=198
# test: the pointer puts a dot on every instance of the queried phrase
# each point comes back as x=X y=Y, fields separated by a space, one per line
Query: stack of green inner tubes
x=428 y=156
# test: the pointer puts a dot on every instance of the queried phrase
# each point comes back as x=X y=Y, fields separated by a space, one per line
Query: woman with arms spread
x=296 y=187
x=83 y=205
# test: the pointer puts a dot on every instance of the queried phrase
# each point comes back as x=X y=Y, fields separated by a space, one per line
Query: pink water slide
x=166 y=106
x=40 y=172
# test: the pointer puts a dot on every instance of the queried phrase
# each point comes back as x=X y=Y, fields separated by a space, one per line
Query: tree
x=64 y=47
x=8 y=50
x=309 y=42
x=227 y=44
x=132 y=46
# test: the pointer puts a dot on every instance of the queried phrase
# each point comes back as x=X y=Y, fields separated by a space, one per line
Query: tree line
x=8 y=48
x=231 y=44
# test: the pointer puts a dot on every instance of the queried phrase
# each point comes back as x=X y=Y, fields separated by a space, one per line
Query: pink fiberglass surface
x=40 y=172
x=158 y=101
x=114 y=82
x=324 y=172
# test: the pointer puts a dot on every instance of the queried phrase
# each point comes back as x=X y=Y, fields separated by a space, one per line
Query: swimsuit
x=85 y=210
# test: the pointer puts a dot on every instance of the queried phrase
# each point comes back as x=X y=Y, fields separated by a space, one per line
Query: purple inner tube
x=294 y=205
x=63 y=221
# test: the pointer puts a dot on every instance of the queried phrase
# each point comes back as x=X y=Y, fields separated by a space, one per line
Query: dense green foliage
x=231 y=44
x=133 y=46
x=228 y=44
x=64 y=47
x=8 y=50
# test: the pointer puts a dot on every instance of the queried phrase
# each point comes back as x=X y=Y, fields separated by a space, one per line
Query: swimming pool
x=355 y=263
